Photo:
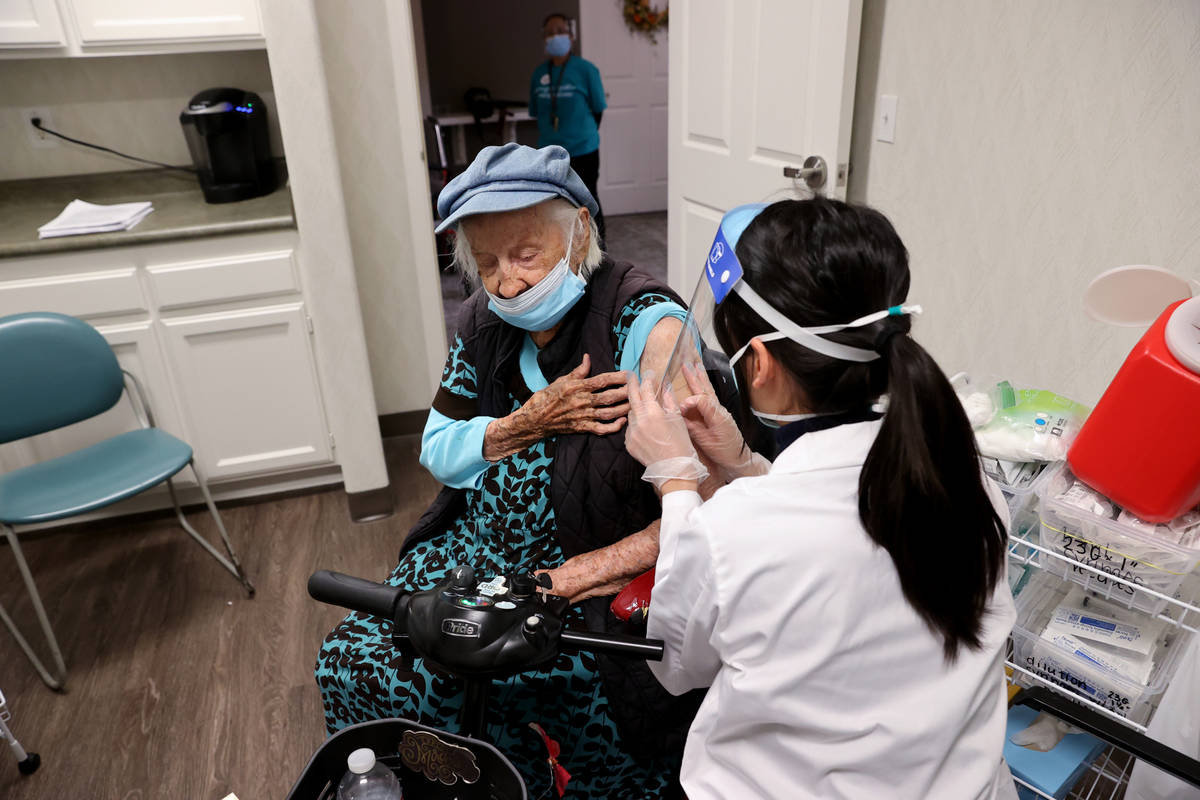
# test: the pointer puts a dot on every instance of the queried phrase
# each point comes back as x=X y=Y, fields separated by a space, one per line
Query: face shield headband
x=724 y=274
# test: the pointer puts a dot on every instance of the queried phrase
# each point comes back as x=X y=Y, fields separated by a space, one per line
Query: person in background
x=566 y=97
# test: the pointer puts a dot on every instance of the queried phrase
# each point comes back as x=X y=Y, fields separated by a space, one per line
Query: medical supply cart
x=1051 y=550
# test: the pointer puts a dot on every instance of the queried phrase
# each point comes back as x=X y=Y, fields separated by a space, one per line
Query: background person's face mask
x=543 y=305
x=558 y=45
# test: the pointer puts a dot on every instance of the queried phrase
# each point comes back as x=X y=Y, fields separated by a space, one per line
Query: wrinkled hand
x=713 y=431
x=656 y=432
x=576 y=403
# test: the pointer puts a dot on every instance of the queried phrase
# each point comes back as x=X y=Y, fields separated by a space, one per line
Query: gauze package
x=1028 y=424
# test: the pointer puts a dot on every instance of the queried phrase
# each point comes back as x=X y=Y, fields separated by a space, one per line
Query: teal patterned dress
x=506 y=524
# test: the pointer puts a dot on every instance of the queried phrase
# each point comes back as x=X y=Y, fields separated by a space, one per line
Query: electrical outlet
x=38 y=138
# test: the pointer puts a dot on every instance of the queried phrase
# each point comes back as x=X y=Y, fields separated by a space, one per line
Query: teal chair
x=57 y=370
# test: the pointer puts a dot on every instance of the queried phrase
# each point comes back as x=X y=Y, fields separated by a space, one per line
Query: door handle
x=814 y=172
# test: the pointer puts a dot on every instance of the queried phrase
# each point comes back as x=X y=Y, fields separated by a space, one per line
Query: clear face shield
x=697 y=347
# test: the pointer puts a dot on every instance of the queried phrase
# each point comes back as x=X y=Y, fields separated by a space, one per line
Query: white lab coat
x=824 y=682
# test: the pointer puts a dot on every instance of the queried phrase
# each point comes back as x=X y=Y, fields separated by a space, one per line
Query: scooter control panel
x=506 y=623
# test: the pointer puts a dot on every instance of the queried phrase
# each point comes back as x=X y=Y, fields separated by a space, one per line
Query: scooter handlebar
x=614 y=643
x=356 y=594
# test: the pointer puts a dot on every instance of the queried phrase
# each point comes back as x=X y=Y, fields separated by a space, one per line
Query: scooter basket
x=422 y=774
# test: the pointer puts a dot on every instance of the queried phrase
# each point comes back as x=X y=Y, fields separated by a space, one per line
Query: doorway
x=461 y=44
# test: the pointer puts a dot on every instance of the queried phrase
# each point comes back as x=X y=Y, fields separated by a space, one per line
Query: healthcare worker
x=847 y=603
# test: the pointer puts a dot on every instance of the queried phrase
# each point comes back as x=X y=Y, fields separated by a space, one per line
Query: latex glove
x=656 y=432
x=679 y=468
x=714 y=432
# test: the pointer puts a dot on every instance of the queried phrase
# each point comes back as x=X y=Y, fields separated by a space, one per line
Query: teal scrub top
x=580 y=96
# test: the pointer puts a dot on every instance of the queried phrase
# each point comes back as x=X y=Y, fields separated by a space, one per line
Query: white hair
x=559 y=211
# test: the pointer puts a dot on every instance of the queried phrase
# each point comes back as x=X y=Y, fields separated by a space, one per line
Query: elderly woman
x=526 y=434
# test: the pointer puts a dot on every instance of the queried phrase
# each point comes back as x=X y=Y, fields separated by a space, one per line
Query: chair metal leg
x=232 y=564
x=54 y=681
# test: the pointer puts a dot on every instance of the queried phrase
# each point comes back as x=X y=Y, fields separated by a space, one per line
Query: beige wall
x=1037 y=144
x=130 y=104
x=371 y=76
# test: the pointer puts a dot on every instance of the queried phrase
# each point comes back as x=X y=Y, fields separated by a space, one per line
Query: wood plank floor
x=180 y=686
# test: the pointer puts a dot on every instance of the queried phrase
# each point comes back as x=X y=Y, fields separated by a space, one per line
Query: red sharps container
x=1141 y=445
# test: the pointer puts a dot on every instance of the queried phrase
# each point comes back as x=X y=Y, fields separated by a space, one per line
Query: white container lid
x=361 y=760
x=1134 y=296
x=1183 y=334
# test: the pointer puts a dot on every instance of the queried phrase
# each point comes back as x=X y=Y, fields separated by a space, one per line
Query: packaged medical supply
x=1097 y=620
x=1088 y=670
x=1084 y=527
x=1182 y=530
x=1091 y=501
x=1124 y=663
x=1018 y=480
x=1030 y=424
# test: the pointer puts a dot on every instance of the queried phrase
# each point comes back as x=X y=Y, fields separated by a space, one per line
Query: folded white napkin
x=80 y=218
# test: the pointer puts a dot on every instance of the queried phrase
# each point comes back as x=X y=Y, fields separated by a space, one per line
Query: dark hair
x=921 y=494
x=556 y=15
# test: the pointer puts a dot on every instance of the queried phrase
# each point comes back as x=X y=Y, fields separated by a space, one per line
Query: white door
x=633 y=133
x=757 y=86
x=32 y=23
x=248 y=388
x=112 y=21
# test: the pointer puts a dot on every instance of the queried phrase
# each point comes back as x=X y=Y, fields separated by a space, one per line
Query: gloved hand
x=713 y=430
x=657 y=436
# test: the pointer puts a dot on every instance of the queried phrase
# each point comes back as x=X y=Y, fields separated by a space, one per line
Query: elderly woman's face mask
x=526 y=269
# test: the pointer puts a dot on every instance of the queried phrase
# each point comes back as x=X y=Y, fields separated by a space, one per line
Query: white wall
x=130 y=104
x=370 y=70
x=1037 y=144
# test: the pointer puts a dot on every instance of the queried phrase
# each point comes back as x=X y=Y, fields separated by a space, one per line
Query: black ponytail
x=921 y=491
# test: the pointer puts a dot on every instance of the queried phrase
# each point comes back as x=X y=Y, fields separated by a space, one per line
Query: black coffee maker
x=226 y=132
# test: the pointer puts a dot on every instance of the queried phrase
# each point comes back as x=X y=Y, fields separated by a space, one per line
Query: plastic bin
x=1129 y=556
x=1062 y=667
x=1022 y=494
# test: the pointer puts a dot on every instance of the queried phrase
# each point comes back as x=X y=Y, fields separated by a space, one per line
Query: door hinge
x=308 y=322
x=332 y=444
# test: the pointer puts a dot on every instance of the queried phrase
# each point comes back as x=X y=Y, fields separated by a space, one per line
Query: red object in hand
x=1141 y=445
x=634 y=598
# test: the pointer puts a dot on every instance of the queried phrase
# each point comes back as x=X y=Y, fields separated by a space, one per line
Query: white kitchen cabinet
x=30 y=23
x=217 y=331
x=249 y=390
x=134 y=21
x=56 y=28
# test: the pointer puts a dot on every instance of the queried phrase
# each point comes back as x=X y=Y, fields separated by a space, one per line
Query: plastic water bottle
x=368 y=780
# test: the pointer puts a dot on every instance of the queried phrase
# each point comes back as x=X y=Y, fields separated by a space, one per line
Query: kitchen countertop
x=179 y=211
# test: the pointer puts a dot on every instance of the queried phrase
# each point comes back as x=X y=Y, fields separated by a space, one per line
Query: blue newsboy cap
x=510 y=177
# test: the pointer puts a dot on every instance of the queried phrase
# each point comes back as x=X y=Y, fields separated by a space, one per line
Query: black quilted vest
x=595 y=485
